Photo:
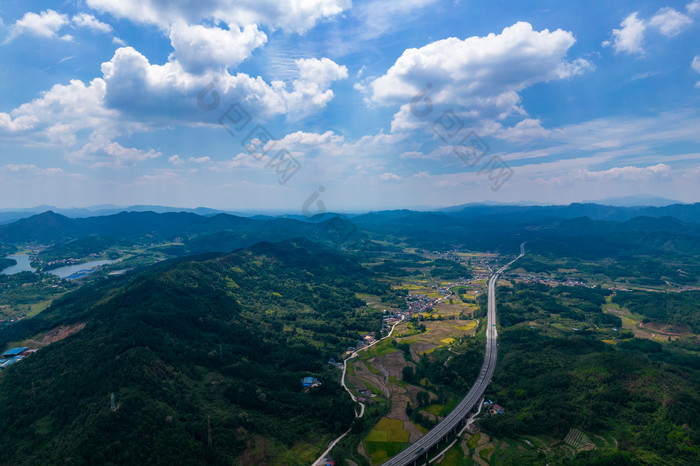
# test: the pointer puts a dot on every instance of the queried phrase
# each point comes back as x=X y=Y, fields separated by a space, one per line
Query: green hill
x=204 y=357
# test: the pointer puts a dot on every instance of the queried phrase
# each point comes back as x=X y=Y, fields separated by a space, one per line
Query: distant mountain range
x=684 y=212
x=576 y=229
x=9 y=215
x=635 y=201
x=12 y=215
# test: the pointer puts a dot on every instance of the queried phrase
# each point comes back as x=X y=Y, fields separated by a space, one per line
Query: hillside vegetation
x=204 y=357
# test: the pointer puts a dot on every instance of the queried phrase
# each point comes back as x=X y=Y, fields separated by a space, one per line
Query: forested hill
x=578 y=230
x=204 y=357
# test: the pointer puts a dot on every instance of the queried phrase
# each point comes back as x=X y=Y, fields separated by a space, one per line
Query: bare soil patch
x=666 y=329
x=55 y=334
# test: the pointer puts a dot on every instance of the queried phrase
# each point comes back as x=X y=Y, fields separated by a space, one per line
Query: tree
x=423 y=398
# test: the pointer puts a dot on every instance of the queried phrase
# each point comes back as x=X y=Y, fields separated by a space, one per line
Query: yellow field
x=388 y=430
x=470 y=326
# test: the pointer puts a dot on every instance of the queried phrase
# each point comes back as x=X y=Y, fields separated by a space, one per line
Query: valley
x=217 y=345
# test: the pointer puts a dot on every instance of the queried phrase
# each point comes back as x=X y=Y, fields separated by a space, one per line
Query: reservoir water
x=79 y=270
x=21 y=266
x=70 y=271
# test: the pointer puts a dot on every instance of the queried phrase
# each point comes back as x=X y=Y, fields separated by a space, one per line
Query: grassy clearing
x=441 y=409
x=386 y=439
x=395 y=381
x=473 y=441
x=382 y=348
x=394 y=429
x=380 y=452
x=454 y=456
x=370 y=367
x=485 y=453
x=36 y=308
x=372 y=388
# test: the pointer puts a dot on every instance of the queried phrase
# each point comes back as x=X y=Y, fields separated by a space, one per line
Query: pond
x=23 y=265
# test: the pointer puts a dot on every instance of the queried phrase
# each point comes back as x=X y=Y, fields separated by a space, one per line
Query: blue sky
x=363 y=105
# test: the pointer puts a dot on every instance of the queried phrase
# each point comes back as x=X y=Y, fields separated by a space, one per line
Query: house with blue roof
x=14 y=352
x=11 y=361
x=310 y=382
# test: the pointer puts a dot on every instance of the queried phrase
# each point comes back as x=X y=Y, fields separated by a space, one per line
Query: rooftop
x=14 y=351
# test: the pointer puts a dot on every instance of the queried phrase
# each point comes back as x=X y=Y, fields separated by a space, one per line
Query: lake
x=21 y=266
x=72 y=272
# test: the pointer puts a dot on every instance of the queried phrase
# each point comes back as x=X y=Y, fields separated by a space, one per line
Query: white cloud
x=525 y=130
x=118 y=41
x=301 y=139
x=483 y=74
x=412 y=154
x=176 y=160
x=696 y=63
x=34 y=170
x=380 y=16
x=439 y=153
x=449 y=184
x=389 y=176
x=88 y=21
x=630 y=38
x=164 y=93
x=291 y=15
x=102 y=152
x=670 y=22
x=628 y=173
x=693 y=7
x=199 y=48
x=45 y=24
x=59 y=113
x=200 y=159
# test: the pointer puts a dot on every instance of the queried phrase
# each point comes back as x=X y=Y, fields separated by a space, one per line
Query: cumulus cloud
x=525 y=130
x=630 y=38
x=483 y=74
x=45 y=24
x=199 y=48
x=88 y=21
x=176 y=160
x=389 y=176
x=670 y=22
x=300 y=139
x=162 y=93
x=693 y=7
x=48 y=23
x=101 y=152
x=439 y=153
x=629 y=173
x=135 y=95
x=290 y=15
x=59 y=113
x=696 y=66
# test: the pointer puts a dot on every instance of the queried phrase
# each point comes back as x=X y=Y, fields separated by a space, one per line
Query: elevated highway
x=418 y=452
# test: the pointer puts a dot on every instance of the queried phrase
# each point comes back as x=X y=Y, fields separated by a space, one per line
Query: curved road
x=321 y=458
x=456 y=418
